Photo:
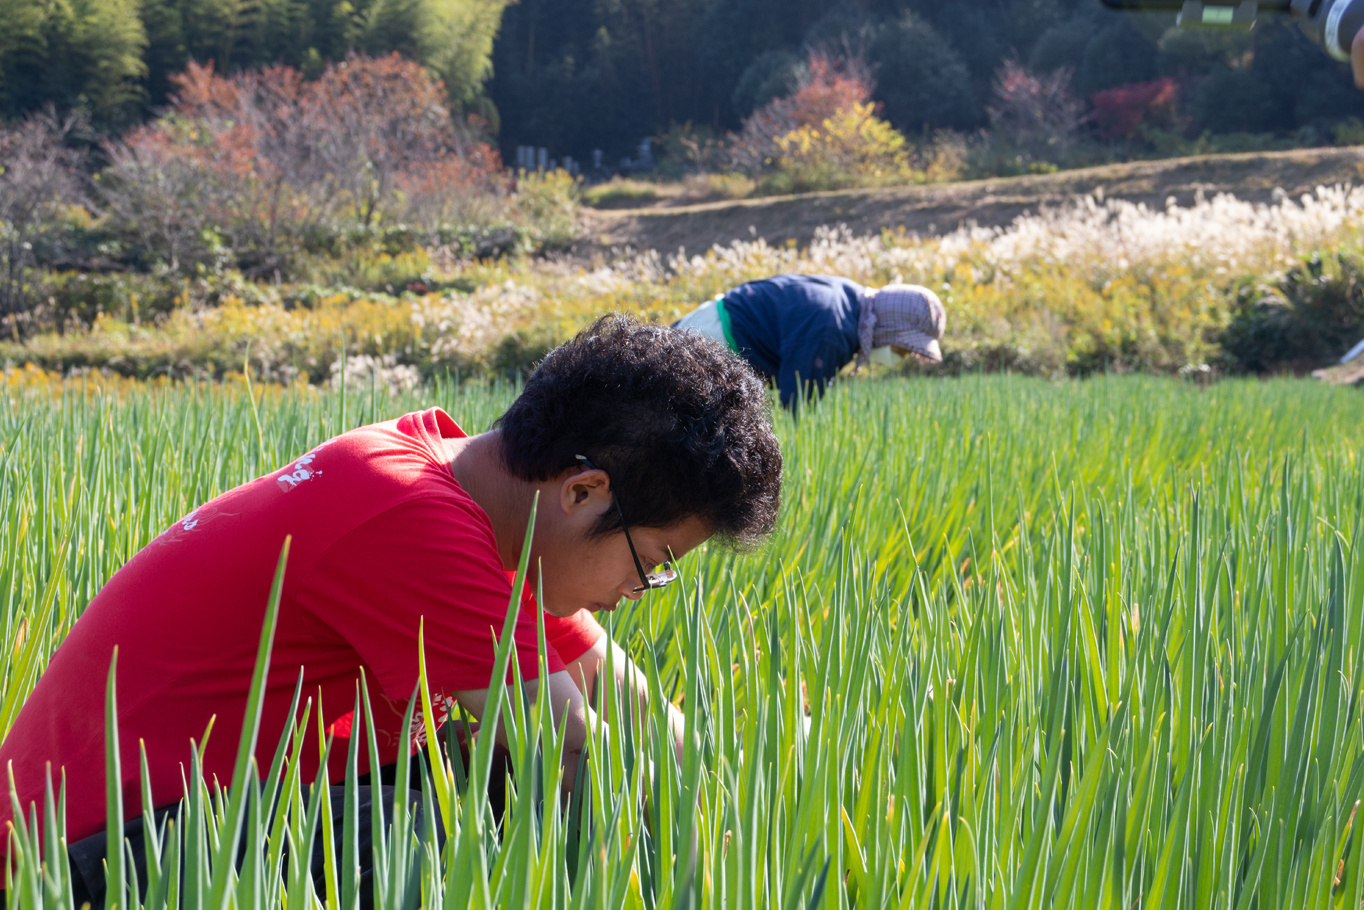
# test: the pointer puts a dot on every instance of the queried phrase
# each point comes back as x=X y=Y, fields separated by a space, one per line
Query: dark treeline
x=574 y=75
x=114 y=59
x=578 y=75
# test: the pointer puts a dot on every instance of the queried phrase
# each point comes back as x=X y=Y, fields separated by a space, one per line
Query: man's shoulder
x=322 y=495
x=388 y=459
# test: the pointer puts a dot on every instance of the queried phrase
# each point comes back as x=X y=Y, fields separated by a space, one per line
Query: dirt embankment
x=927 y=210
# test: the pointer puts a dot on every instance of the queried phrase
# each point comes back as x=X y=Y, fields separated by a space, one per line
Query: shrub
x=380 y=124
x=1039 y=113
x=620 y=193
x=685 y=148
x=547 y=204
x=826 y=135
x=1234 y=101
x=709 y=187
x=1118 y=54
x=1097 y=286
x=944 y=157
x=826 y=88
x=773 y=74
x=1120 y=112
x=1308 y=319
x=39 y=174
x=852 y=147
x=74 y=301
x=1349 y=131
x=429 y=335
x=467 y=190
x=160 y=188
x=247 y=170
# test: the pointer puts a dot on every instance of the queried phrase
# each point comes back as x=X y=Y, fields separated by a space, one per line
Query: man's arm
x=568 y=705
x=629 y=678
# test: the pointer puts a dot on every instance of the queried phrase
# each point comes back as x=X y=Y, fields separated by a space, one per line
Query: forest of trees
x=115 y=59
x=574 y=75
x=579 y=75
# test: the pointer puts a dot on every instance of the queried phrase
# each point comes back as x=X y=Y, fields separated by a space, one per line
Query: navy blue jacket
x=798 y=330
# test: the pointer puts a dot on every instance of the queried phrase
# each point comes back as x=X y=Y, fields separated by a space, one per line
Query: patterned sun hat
x=907 y=315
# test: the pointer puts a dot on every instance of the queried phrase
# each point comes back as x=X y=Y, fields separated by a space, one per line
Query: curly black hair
x=681 y=426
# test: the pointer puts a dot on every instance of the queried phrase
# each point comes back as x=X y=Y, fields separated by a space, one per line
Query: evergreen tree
x=275 y=33
x=21 y=40
x=395 y=25
x=774 y=74
x=165 y=55
x=1119 y=54
x=724 y=38
x=1063 y=44
x=456 y=39
x=921 y=80
x=74 y=54
x=106 y=46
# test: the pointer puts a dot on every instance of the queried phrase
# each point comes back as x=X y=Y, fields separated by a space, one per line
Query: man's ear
x=585 y=488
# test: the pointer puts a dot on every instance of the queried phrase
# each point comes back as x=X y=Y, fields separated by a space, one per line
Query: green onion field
x=1016 y=643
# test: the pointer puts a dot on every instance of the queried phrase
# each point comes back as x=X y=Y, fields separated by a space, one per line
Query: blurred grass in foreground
x=1086 y=644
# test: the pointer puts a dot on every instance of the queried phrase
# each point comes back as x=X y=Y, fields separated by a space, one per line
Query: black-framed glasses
x=666 y=575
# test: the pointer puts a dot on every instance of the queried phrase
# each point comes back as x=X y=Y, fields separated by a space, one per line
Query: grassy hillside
x=940 y=209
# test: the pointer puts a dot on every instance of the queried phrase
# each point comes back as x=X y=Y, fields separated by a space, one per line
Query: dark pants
x=87 y=856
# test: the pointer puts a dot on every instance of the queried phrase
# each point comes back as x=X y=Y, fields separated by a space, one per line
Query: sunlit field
x=1016 y=643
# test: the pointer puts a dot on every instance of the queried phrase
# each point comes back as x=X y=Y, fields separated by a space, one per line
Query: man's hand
x=568 y=690
x=629 y=678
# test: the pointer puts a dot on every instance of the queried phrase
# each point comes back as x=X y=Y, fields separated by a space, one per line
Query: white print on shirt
x=200 y=517
x=442 y=706
x=300 y=470
x=300 y=473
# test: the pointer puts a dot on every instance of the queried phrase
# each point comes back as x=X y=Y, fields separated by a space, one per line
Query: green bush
x=713 y=187
x=517 y=353
x=547 y=205
x=620 y=193
x=1348 y=132
x=1313 y=316
x=1234 y=101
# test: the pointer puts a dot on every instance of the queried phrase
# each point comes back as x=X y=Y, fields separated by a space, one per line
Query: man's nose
x=628 y=590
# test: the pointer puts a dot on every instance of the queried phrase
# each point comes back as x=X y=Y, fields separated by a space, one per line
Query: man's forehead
x=685 y=535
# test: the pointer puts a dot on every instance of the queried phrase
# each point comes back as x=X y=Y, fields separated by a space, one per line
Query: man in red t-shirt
x=397 y=525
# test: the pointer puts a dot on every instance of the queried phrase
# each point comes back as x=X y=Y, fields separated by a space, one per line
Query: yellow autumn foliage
x=851 y=148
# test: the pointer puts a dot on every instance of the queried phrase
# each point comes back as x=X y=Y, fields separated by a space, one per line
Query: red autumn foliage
x=254 y=166
x=827 y=89
x=1120 y=112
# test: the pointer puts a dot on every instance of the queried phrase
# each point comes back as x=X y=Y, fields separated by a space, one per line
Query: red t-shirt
x=383 y=536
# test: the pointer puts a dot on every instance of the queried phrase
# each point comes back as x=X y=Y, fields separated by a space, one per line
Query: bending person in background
x=798 y=331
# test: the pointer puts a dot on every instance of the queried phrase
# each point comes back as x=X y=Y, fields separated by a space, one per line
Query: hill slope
x=942 y=208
